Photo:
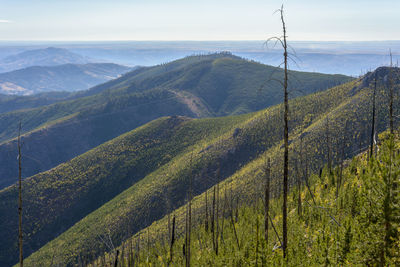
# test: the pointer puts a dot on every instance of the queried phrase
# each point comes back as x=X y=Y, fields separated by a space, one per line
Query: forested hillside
x=197 y=86
x=10 y=103
x=346 y=217
x=249 y=149
x=325 y=127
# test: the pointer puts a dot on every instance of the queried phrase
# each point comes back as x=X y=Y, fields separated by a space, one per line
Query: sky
x=112 y=20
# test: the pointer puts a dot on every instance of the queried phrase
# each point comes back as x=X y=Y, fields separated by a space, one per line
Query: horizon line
x=195 y=40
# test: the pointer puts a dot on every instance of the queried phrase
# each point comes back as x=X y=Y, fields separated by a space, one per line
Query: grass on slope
x=77 y=133
x=225 y=83
x=341 y=223
x=56 y=199
x=308 y=123
x=198 y=86
x=146 y=200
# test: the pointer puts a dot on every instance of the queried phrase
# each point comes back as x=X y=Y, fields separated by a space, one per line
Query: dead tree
x=257 y=226
x=328 y=145
x=390 y=84
x=217 y=214
x=283 y=42
x=373 y=119
x=189 y=217
x=116 y=259
x=206 y=222
x=266 y=202
x=213 y=220
x=21 y=257
x=223 y=216
x=298 y=189
x=172 y=241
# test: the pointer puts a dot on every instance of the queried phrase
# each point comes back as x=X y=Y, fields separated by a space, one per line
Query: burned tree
x=21 y=257
x=373 y=117
x=266 y=202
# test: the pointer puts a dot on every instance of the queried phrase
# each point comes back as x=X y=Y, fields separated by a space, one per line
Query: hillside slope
x=239 y=154
x=10 y=103
x=67 y=77
x=340 y=221
x=198 y=86
x=56 y=199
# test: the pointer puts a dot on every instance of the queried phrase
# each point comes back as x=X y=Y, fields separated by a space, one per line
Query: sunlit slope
x=56 y=199
x=197 y=86
x=166 y=188
x=340 y=222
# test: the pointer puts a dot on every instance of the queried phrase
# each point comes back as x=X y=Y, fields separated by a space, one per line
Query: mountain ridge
x=147 y=199
x=187 y=87
x=49 y=56
x=67 y=77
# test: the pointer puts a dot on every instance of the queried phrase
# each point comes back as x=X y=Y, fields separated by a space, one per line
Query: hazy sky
x=198 y=20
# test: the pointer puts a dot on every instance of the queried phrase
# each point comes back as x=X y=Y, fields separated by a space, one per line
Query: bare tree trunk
x=206 y=222
x=298 y=189
x=116 y=259
x=234 y=231
x=189 y=230
x=340 y=176
x=276 y=232
x=217 y=216
x=257 y=226
x=185 y=245
x=148 y=243
x=373 y=120
x=328 y=144
x=223 y=216
x=266 y=203
x=390 y=82
x=286 y=140
x=21 y=257
x=213 y=220
x=172 y=241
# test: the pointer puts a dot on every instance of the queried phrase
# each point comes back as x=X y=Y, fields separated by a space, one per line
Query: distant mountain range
x=66 y=77
x=50 y=56
x=349 y=58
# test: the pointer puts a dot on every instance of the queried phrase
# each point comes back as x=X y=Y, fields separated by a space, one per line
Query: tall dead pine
x=373 y=119
x=390 y=84
x=328 y=145
x=206 y=222
x=286 y=135
x=213 y=220
x=172 y=240
x=217 y=214
x=266 y=202
x=298 y=189
x=21 y=257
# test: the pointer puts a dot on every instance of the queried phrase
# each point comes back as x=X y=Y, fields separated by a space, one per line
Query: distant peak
x=222 y=54
x=381 y=74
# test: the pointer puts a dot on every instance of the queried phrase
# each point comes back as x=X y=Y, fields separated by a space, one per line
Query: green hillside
x=56 y=199
x=341 y=222
x=10 y=103
x=238 y=154
x=197 y=86
x=82 y=131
